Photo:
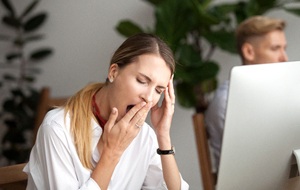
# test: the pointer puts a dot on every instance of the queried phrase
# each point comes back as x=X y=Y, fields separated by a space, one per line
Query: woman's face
x=143 y=80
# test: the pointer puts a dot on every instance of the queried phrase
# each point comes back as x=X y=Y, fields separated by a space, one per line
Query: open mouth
x=129 y=108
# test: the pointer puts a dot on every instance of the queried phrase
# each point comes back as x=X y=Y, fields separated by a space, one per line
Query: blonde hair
x=80 y=109
x=254 y=27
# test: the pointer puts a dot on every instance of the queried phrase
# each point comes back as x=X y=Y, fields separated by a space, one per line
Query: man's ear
x=248 y=52
x=113 y=71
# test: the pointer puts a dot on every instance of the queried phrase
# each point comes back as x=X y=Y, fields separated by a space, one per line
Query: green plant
x=194 y=29
x=16 y=85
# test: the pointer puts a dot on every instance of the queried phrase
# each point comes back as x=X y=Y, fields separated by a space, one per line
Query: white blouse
x=54 y=163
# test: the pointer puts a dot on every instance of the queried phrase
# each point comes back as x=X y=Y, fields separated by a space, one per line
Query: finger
x=168 y=102
x=171 y=90
x=112 y=119
x=167 y=98
x=132 y=112
x=140 y=117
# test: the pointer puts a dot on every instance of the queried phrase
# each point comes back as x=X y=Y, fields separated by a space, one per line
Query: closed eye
x=140 y=81
x=275 y=48
x=160 y=90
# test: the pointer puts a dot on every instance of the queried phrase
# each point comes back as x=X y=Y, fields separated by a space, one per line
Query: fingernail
x=143 y=103
x=114 y=110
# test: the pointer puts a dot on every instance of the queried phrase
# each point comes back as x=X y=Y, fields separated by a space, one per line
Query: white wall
x=83 y=36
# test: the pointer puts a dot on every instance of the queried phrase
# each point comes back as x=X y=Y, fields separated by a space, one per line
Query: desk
x=293 y=184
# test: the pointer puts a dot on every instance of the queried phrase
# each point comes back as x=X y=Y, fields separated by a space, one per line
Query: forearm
x=103 y=171
x=169 y=165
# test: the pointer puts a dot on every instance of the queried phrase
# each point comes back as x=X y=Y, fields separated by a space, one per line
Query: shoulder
x=54 y=123
x=221 y=94
x=223 y=88
x=218 y=104
x=54 y=114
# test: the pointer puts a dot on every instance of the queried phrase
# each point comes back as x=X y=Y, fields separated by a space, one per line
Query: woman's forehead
x=152 y=66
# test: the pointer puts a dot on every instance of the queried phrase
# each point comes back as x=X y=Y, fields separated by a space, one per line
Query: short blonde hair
x=254 y=27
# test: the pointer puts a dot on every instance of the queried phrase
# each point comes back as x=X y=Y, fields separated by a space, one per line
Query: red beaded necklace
x=96 y=112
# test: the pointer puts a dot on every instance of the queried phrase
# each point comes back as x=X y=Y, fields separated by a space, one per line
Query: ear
x=248 y=52
x=113 y=71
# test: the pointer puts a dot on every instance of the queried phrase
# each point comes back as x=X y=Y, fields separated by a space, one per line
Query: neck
x=103 y=105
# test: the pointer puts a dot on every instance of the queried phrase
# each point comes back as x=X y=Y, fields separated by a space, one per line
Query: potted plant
x=16 y=83
x=194 y=29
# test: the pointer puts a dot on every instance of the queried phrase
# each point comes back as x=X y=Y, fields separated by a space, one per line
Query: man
x=259 y=40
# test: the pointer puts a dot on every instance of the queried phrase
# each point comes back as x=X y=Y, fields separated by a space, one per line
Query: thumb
x=112 y=119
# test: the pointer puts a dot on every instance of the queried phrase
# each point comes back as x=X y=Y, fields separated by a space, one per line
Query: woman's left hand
x=161 y=117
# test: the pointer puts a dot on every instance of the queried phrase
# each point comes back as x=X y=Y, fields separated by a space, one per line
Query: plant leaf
x=240 y=12
x=295 y=11
x=220 y=10
x=222 y=39
x=128 y=28
x=11 y=56
x=11 y=22
x=155 y=2
x=259 y=7
x=185 y=94
x=29 y=79
x=187 y=56
x=29 y=8
x=209 y=85
x=9 y=7
x=266 y=5
x=9 y=77
x=171 y=22
x=40 y=54
x=195 y=74
x=203 y=15
x=34 y=22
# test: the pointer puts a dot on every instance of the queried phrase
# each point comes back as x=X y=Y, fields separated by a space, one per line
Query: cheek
x=267 y=56
x=274 y=56
x=128 y=85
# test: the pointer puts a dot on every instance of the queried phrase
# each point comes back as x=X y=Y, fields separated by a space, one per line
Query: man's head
x=261 y=40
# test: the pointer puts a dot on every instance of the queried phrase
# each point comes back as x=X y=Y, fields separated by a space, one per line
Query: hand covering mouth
x=129 y=108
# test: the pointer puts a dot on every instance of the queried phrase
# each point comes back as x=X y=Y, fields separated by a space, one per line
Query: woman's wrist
x=112 y=155
x=164 y=142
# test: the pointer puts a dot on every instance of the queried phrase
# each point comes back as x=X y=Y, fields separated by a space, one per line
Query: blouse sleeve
x=51 y=165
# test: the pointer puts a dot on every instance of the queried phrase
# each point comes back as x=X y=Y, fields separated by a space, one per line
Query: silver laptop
x=262 y=127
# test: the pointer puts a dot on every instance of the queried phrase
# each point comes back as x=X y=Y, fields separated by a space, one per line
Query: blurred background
x=82 y=36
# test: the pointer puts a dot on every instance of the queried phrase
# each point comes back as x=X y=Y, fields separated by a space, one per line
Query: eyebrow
x=149 y=80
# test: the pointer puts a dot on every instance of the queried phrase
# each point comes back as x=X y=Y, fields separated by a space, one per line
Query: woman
x=99 y=139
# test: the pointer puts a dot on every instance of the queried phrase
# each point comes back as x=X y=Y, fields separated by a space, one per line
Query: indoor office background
x=83 y=36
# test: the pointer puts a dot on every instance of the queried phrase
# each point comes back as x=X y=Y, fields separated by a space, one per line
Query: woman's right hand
x=118 y=135
x=115 y=139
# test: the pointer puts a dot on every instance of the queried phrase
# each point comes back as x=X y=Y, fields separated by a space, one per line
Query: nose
x=147 y=96
x=283 y=56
